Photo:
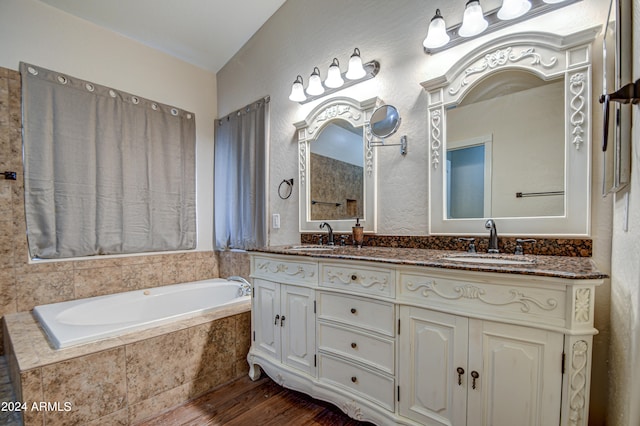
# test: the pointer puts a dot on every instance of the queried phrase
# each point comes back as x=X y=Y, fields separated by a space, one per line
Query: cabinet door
x=520 y=377
x=266 y=305
x=298 y=328
x=433 y=346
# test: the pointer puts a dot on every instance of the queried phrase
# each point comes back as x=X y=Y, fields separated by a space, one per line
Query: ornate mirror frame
x=548 y=56
x=357 y=114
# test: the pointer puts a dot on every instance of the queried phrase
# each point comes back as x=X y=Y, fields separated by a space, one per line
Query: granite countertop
x=576 y=268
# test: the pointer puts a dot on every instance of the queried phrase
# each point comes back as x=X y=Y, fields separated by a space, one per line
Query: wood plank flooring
x=259 y=403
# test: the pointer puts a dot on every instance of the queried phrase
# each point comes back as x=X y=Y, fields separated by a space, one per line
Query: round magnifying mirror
x=385 y=121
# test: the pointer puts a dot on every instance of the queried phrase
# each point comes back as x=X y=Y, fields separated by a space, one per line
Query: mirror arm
x=402 y=144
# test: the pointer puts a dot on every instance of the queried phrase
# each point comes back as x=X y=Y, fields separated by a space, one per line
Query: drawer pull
x=354 y=277
x=354 y=310
x=474 y=375
x=354 y=345
x=460 y=372
x=354 y=379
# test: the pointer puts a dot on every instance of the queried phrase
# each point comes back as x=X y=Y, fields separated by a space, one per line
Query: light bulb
x=297 y=91
x=473 y=22
x=334 y=77
x=437 y=33
x=355 y=71
x=512 y=9
x=315 y=83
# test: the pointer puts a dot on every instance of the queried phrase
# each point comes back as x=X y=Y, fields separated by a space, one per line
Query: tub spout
x=245 y=286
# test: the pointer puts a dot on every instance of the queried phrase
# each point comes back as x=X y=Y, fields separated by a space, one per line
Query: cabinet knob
x=354 y=379
x=354 y=345
x=354 y=277
x=474 y=375
x=460 y=372
x=353 y=310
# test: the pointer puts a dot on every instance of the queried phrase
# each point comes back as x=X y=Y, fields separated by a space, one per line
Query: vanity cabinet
x=467 y=371
x=284 y=323
x=417 y=345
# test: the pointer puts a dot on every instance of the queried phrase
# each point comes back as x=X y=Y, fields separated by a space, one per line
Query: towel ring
x=289 y=183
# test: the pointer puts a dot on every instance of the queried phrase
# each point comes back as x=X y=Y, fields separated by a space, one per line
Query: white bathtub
x=86 y=320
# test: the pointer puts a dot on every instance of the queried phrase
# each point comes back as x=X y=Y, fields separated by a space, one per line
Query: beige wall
x=625 y=283
x=308 y=33
x=33 y=32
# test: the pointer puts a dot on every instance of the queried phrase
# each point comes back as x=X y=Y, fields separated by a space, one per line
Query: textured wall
x=625 y=283
x=307 y=33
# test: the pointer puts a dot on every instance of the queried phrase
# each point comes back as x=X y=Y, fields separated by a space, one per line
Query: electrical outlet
x=275 y=221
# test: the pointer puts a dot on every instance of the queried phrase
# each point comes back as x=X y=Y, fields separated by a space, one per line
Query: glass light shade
x=473 y=22
x=512 y=9
x=297 y=91
x=437 y=33
x=553 y=1
x=334 y=79
x=315 y=83
x=356 y=70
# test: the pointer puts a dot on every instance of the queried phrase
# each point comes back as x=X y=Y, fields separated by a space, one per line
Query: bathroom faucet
x=493 y=236
x=330 y=231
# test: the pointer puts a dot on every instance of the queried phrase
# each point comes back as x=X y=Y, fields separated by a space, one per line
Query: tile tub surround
x=574 y=268
x=126 y=379
x=574 y=247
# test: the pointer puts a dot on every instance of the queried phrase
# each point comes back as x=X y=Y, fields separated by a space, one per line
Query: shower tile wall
x=24 y=285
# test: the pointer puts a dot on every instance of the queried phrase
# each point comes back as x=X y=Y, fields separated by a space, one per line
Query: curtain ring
x=289 y=183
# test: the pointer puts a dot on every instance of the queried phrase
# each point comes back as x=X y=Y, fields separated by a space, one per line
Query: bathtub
x=85 y=320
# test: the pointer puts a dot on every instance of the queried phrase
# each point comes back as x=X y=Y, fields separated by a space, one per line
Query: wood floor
x=259 y=403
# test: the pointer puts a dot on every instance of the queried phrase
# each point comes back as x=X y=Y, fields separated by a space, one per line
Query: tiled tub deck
x=123 y=380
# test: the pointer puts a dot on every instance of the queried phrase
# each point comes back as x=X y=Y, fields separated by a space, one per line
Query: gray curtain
x=240 y=178
x=106 y=172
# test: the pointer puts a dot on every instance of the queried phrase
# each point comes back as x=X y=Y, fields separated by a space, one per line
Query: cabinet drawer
x=285 y=271
x=376 y=387
x=364 y=313
x=372 y=350
x=367 y=280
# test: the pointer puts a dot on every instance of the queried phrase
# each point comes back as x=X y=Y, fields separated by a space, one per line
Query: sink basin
x=311 y=247
x=489 y=260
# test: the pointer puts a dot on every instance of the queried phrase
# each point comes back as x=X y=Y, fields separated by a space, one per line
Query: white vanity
x=417 y=339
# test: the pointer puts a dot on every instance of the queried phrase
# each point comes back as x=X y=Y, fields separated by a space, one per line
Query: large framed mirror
x=510 y=137
x=337 y=169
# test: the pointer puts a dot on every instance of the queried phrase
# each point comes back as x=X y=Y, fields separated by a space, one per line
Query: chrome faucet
x=493 y=236
x=330 y=231
x=245 y=286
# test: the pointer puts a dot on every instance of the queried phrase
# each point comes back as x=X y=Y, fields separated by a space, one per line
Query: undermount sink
x=488 y=260
x=311 y=247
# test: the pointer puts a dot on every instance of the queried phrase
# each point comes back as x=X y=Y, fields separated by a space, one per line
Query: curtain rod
x=246 y=108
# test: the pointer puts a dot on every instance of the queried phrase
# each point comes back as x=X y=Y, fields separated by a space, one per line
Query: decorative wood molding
x=364 y=281
x=499 y=58
x=334 y=111
x=281 y=268
x=469 y=291
x=352 y=410
x=583 y=305
x=436 y=137
x=578 y=116
x=302 y=157
x=577 y=397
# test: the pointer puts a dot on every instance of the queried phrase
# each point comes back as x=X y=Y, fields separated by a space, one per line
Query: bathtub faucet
x=245 y=286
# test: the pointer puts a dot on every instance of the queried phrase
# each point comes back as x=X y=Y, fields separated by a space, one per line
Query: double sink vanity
x=417 y=336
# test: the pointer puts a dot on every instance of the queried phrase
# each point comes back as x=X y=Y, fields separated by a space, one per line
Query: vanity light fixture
x=315 y=83
x=334 y=77
x=297 y=91
x=335 y=81
x=512 y=9
x=355 y=70
x=437 y=34
x=475 y=21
